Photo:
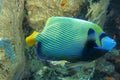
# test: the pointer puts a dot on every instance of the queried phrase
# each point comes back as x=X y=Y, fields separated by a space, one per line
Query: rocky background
x=12 y=59
x=19 y=18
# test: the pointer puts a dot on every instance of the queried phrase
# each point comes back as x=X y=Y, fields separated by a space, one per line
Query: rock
x=105 y=66
x=108 y=66
x=39 y=11
x=12 y=59
x=103 y=70
x=117 y=67
x=114 y=58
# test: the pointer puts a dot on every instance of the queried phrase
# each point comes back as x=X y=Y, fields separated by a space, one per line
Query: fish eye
x=91 y=34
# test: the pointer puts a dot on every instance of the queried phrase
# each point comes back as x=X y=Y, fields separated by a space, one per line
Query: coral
x=97 y=11
x=61 y=62
x=60 y=72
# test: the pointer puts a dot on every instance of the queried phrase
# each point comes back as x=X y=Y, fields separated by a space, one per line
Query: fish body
x=71 y=39
x=6 y=45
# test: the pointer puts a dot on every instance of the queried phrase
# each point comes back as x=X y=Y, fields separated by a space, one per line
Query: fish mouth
x=108 y=43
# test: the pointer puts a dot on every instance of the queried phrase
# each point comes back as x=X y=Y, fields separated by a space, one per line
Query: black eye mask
x=91 y=34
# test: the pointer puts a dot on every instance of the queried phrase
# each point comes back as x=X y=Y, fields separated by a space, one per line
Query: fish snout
x=108 y=43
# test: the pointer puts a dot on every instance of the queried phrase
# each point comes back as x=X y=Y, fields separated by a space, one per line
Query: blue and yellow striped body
x=65 y=38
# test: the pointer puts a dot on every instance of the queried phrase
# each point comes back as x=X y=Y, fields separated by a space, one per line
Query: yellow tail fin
x=30 y=41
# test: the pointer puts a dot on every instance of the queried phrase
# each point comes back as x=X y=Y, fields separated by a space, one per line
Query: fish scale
x=70 y=39
x=62 y=38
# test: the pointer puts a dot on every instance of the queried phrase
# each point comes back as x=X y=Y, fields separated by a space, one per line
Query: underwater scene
x=59 y=39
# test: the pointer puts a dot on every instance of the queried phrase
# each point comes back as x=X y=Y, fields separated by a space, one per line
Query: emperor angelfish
x=70 y=39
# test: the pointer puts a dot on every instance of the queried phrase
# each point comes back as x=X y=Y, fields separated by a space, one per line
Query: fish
x=64 y=3
x=6 y=45
x=70 y=39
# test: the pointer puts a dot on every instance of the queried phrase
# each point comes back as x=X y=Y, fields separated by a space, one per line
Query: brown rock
x=11 y=38
x=39 y=11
